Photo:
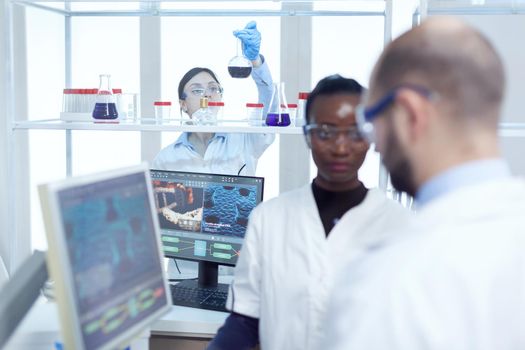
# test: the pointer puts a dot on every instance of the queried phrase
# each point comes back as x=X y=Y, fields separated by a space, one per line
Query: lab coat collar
x=183 y=139
x=466 y=174
x=470 y=203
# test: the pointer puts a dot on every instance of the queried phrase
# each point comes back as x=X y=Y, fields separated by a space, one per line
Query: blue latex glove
x=251 y=40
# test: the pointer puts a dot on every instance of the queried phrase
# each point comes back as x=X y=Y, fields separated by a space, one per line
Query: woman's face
x=337 y=147
x=201 y=85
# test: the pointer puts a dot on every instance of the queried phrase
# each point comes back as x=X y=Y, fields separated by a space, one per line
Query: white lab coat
x=226 y=154
x=457 y=282
x=284 y=272
x=230 y=154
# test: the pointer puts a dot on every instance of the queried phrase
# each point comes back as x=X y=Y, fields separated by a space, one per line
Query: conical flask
x=278 y=114
x=105 y=106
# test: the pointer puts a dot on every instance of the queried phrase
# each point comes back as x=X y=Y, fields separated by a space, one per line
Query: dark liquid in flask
x=272 y=119
x=239 y=72
x=105 y=111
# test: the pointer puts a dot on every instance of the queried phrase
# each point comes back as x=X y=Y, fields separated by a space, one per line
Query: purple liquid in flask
x=105 y=106
x=105 y=111
x=240 y=72
x=272 y=119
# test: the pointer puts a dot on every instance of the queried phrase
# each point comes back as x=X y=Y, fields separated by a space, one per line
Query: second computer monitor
x=203 y=217
x=104 y=256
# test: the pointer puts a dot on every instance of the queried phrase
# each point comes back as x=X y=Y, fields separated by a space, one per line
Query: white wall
x=505 y=32
x=46 y=78
x=502 y=29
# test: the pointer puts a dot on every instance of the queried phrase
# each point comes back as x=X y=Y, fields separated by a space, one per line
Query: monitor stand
x=208 y=278
x=18 y=294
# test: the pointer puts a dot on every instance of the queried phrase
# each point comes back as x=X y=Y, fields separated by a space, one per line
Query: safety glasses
x=366 y=115
x=210 y=90
x=327 y=134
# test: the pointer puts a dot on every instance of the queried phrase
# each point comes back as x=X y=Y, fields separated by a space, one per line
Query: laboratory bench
x=181 y=328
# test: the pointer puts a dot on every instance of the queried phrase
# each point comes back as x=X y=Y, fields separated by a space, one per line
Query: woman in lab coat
x=296 y=243
x=219 y=153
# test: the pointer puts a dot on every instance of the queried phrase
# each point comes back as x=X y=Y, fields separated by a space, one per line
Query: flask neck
x=105 y=85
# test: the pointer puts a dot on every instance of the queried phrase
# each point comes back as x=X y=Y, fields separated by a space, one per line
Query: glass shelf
x=505 y=129
x=201 y=8
x=152 y=125
x=475 y=7
x=512 y=129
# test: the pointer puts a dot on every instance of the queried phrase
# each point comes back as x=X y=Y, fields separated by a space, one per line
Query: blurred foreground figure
x=457 y=280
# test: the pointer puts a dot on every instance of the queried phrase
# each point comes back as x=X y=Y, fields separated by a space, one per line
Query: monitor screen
x=104 y=256
x=203 y=217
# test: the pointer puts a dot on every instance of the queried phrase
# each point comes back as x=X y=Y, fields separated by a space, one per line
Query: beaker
x=239 y=66
x=255 y=114
x=162 y=110
x=278 y=114
x=105 y=102
x=216 y=109
x=300 y=118
x=127 y=106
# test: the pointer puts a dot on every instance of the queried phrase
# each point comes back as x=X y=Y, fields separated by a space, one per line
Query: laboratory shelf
x=462 y=7
x=213 y=8
x=505 y=129
x=152 y=125
x=512 y=129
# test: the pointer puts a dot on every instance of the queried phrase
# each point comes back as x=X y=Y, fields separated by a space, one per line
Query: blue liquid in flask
x=272 y=119
x=105 y=111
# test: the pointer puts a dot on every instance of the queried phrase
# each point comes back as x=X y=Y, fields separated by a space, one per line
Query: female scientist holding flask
x=219 y=153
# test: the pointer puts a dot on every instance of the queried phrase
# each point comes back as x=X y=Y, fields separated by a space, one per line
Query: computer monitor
x=104 y=256
x=203 y=217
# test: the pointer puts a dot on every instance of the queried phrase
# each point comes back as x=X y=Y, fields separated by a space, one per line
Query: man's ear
x=416 y=113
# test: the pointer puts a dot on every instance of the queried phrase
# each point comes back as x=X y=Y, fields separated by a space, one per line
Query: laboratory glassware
x=78 y=100
x=105 y=105
x=127 y=106
x=162 y=110
x=292 y=110
x=202 y=115
x=254 y=113
x=215 y=109
x=239 y=66
x=300 y=118
x=278 y=114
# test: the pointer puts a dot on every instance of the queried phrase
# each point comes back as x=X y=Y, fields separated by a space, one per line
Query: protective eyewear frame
x=205 y=91
x=328 y=133
x=366 y=115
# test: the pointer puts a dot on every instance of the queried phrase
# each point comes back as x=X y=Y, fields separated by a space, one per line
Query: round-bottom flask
x=239 y=66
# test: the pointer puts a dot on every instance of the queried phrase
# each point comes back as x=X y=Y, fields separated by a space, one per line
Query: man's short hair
x=331 y=85
x=459 y=64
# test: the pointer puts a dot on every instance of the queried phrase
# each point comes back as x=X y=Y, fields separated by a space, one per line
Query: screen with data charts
x=203 y=217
